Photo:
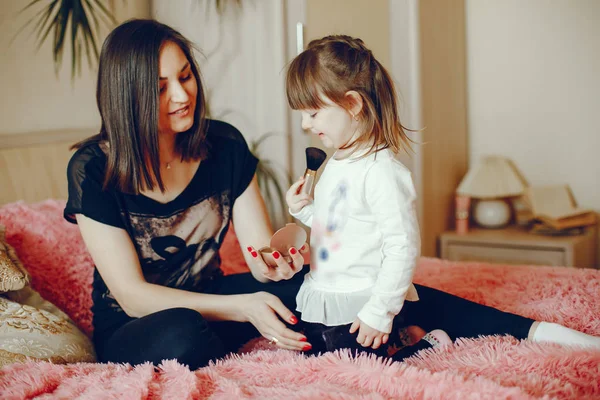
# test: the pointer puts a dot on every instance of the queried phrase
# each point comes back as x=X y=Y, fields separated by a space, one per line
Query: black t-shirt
x=177 y=242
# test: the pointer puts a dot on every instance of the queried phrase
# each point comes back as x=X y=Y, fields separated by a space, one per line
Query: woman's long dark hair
x=128 y=100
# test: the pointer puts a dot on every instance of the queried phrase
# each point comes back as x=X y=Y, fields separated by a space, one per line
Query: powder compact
x=290 y=235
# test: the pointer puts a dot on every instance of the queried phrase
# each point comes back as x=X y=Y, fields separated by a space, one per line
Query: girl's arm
x=253 y=230
x=391 y=196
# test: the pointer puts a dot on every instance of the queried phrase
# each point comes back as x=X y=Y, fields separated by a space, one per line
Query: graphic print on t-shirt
x=336 y=220
x=163 y=242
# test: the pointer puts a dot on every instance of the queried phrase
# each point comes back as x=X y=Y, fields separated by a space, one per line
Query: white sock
x=555 y=333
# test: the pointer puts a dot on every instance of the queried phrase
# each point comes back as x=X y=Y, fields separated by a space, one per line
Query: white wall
x=33 y=97
x=534 y=89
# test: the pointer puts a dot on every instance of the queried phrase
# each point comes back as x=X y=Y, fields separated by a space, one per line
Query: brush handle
x=309 y=182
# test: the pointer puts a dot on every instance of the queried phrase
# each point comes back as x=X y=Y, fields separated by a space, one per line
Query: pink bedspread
x=489 y=367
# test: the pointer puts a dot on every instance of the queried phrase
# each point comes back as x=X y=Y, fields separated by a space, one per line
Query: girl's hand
x=367 y=336
x=282 y=270
x=294 y=199
x=262 y=309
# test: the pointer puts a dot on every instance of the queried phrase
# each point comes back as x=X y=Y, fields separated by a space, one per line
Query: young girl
x=365 y=235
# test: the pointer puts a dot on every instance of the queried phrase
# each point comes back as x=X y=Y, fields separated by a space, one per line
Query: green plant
x=84 y=18
x=270 y=177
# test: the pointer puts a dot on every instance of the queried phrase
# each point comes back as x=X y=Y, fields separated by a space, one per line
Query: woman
x=153 y=194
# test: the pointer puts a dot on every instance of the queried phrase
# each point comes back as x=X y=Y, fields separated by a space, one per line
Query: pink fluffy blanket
x=488 y=367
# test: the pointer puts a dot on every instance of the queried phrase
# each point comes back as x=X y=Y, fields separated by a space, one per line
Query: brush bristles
x=314 y=158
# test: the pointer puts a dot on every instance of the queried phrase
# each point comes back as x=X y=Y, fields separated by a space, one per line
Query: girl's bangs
x=302 y=88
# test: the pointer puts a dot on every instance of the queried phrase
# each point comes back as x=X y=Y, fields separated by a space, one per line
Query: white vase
x=492 y=213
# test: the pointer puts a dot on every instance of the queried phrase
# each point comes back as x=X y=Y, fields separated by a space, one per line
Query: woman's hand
x=253 y=228
x=262 y=309
x=282 y=270
x=367 y=336
x=295 y=200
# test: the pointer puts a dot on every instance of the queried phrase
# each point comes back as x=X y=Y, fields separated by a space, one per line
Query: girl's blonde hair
x=336 y=64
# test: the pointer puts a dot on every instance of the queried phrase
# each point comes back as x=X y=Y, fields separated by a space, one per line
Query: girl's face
x=332 y=123
x=178 y=90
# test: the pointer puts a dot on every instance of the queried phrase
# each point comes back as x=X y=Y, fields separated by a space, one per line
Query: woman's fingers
x=286 y=336
x=304 y=249
x=293 y=336
x=281 y=310
x=297 y=259
x=305 y=253
x=259 y=262
x=283 y=267
x=288 y=344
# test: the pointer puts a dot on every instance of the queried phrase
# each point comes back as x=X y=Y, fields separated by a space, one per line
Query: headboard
x=33 y=164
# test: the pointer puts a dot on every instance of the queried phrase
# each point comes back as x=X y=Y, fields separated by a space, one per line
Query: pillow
x=13 y=275
x=232 y=259
x=34 y=329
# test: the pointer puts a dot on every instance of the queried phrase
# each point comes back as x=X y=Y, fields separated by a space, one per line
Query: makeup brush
x=314 y=160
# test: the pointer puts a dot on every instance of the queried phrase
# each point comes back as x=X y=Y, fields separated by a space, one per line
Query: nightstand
x=514 y=245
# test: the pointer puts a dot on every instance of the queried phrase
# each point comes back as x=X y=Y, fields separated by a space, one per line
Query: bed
x=488 y=367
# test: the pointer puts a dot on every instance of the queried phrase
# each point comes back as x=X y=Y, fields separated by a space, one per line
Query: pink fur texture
x=489 y=367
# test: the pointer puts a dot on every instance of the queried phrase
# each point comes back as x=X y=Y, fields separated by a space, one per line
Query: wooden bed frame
x=33 y=164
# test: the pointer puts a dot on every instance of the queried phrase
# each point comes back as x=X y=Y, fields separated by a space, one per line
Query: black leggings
x=183 y=334
x=434 y=310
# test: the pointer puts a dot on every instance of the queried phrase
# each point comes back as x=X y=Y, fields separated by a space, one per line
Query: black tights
x=435 y=310
x=183 y=334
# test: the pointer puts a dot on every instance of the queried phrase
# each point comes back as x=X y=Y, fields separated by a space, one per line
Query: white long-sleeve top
x=364 y=242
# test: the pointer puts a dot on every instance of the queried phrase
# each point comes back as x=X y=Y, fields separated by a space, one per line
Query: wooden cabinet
x=514 y=245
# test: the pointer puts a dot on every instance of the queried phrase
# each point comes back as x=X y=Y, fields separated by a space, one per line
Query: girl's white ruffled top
x=364 y=241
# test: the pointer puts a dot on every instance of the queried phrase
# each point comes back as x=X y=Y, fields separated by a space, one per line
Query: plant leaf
x=106 y=12
x=56 y=17
x=45 y=10
x=88 y=37
x=75 y=16
x=42 y=38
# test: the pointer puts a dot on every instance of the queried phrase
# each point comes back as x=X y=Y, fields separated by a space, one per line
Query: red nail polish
x=293 y=251
x=293 y=319
x=276 y=255
x=307 y=347
x=254 y=254
x=303 y=339
x=303 y=247
x=250 y=248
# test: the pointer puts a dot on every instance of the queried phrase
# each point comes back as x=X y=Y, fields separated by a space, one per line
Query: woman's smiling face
x=178 y=90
